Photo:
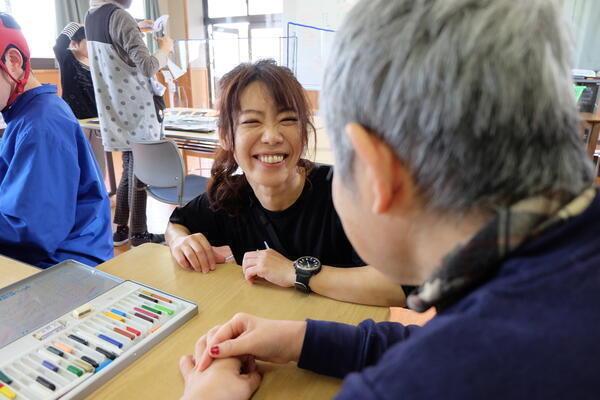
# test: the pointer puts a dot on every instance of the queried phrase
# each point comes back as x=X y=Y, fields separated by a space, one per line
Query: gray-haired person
x=460 y=169
x=122 y=68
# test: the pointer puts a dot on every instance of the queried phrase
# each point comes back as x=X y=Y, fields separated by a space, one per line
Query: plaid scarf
x=471 y=264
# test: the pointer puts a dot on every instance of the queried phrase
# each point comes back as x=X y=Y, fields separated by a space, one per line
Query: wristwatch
x=306 y=267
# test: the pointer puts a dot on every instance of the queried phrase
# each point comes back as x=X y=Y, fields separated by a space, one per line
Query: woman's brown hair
x=226 y=190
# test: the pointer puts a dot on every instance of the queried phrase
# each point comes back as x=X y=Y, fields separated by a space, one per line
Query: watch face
x=308 y=263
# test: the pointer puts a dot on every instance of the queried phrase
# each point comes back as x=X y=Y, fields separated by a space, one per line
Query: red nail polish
x=214 y=350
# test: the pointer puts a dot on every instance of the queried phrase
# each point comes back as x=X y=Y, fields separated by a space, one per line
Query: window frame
x=255 y=21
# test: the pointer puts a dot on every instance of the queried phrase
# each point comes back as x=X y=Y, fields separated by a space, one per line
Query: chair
x=158 y=164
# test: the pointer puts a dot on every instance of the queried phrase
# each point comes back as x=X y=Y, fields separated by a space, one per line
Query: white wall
x=584 y=16
x=309 y=48
x=321 y=13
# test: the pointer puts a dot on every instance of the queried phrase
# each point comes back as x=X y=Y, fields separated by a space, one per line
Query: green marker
x=4 y=378
x=75 y=370
x=165 y=309
x=154 y=310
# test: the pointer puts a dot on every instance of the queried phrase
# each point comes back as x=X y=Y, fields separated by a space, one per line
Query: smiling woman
x=255 y=99
x=280 y=202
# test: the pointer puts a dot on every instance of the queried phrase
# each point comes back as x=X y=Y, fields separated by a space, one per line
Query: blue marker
x=103 y=365
x=115 y=311
x=110 y=340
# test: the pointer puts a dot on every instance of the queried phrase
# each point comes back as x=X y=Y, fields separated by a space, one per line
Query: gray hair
x=474 y=96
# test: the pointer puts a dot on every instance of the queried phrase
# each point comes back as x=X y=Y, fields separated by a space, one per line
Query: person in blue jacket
x=459 y=168
x=53 y=204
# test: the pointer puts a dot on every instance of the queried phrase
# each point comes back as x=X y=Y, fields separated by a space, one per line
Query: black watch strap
x=302 y=279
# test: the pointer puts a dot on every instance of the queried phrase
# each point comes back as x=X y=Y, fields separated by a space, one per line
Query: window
x=38 y=22
x=137 y=9
x=265 y=7
x=230 y=8
x=242 y=31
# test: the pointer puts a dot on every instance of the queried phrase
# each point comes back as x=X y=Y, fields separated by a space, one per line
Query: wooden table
x=219 y=295
x=12 y=271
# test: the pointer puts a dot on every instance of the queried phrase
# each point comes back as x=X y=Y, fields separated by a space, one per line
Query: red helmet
x=11 y=35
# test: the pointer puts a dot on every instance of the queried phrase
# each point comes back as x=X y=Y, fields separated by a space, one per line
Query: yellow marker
x=4 y=390
x=114 y=316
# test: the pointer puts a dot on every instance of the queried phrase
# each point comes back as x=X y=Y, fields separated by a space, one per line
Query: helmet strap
x=20 y=87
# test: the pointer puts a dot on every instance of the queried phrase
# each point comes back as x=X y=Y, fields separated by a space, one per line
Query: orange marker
x=155 y=328
x=63 y=347
x=156 y=296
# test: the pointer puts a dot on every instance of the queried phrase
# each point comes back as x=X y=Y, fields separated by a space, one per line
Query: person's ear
x=390 y=182
x=74 y=45
x=14 y=62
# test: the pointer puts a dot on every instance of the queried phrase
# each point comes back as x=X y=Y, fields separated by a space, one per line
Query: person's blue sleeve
x=336 y=349
x=39 y=194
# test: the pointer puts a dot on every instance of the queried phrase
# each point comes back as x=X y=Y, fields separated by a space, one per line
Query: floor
x=158 y=213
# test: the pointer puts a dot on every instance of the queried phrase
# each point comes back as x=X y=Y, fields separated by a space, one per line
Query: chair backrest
x=158 y=163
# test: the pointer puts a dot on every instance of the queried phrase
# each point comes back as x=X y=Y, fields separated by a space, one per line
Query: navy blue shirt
x=519 y=336
x=53 y=204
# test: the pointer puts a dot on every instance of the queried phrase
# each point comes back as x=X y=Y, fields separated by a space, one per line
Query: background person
x=122 y=68
x=53 y=204
x=76 y=81
x=71 y=54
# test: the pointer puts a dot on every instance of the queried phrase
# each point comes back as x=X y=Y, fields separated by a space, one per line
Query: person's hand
x=247 y=335
x=165 y=44
x=269 y=265
x=194 y=252
x=230 y=378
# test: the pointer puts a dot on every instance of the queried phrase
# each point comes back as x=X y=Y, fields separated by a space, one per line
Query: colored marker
x=73 y=369
x=155 y=328
x=165 y=309
x=152 y=310
x=126 y=334
x=78 y=339
x=115 y=311
x=56 y=351
x=144 y=317
x=50 y=366
x=103 y=365
x=96 y=341
x=148 y=313
x=46 y=383
x=108 y=354
x=114 y=316
x=63 y=347
x=130 y=329
x=90 y=361
x=110 y=340
x=4 y=378
x=156 y=296
x=83 y=365
x=143 y=296
x=5 y=390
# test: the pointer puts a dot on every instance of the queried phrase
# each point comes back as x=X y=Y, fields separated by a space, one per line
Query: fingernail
x=214 y=350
